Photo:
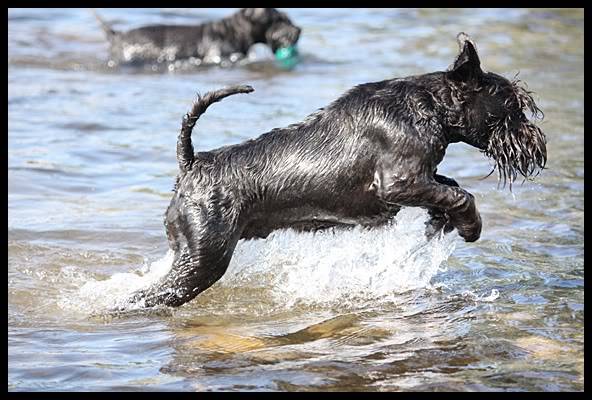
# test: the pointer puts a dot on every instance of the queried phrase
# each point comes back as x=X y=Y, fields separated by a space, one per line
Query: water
x=91 y=164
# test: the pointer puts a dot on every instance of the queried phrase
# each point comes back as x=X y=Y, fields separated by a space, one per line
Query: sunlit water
x=91 y=167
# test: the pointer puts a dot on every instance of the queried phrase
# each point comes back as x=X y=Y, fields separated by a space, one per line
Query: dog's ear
x=467 y=64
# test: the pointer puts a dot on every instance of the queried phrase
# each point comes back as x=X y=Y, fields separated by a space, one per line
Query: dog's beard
x=517 y=147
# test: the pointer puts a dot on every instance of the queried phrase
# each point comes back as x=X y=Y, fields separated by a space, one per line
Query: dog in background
x=229 y=38
x=356 y=162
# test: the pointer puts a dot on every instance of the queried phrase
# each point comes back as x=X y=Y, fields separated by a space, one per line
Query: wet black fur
x=355 y=162
x=231 y=35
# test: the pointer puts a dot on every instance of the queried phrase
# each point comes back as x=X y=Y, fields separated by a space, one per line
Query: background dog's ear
x=467 y=64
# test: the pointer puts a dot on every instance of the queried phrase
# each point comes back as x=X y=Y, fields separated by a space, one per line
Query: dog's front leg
x=427 y=192
x=439 y=220
x=445 y=180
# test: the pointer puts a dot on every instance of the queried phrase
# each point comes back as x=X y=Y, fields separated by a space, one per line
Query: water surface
x=91 y=164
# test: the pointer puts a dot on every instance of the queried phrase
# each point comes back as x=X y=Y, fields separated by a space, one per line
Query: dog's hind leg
x=202 y=227
x=203 y=237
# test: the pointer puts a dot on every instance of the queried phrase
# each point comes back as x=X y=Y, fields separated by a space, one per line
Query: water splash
x=342 y=266
x=311 y=268
x=481 y=297
x=96 y=296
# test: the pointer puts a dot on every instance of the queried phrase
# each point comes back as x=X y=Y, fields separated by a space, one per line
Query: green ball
x=286 y=52
x=286 y=57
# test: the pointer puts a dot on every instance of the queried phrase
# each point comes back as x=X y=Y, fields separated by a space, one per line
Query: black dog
x=356 y=162
x=230 y=38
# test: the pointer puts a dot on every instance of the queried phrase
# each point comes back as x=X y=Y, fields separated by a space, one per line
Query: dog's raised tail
x=109 y=31
x=185 y=155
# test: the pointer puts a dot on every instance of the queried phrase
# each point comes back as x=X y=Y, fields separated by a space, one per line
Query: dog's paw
x=439 y=222
x=471 y=232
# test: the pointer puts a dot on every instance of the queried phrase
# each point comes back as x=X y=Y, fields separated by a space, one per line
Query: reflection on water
x=91 y=167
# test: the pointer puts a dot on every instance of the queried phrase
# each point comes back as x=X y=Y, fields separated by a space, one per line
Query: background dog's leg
x=204 y=239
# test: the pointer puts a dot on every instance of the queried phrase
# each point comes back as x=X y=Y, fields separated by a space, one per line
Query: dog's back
x=158 y=42
x=328 y=168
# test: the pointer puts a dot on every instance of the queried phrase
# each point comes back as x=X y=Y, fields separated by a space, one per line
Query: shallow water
x=91 y=164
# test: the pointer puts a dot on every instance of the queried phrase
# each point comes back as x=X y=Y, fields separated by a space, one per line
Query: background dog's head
x=273 y=27
x=494 y=116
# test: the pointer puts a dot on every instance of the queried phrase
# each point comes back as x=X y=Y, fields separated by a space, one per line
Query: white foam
x=97 y=296
x=322 y=267
x=331 y=267
x=482 y=297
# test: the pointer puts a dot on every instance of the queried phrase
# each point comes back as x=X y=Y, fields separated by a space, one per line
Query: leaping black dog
x=228 y=38
x=355 y=162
